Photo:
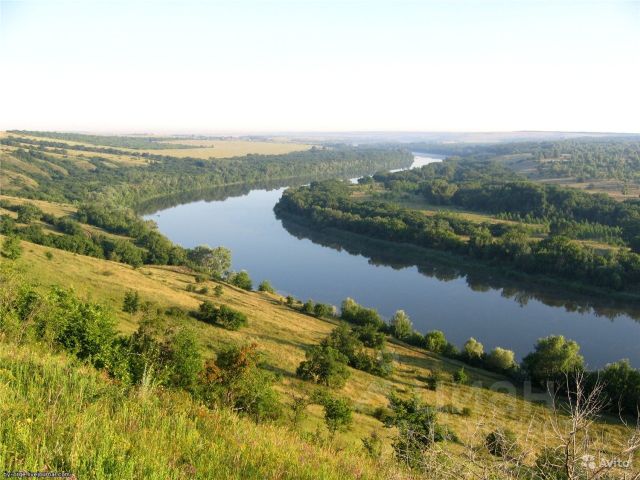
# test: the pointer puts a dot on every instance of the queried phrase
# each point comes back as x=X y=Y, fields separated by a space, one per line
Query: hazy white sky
x=237 y=66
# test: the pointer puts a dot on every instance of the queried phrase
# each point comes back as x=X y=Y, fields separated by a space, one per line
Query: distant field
x=230 y=148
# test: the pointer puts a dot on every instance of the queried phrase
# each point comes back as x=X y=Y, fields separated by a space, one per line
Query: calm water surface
x=460 y=301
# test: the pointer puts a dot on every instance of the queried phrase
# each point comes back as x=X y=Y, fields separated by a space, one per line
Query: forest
x=493 y=189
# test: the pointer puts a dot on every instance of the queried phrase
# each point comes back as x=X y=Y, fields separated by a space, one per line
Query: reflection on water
x=445 y=269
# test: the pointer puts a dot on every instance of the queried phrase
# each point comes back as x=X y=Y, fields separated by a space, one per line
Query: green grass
x=58 y=415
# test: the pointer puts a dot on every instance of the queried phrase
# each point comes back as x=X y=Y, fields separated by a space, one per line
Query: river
x=461 y=301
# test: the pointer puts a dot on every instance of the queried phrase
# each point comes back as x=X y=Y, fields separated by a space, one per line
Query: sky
x=285 y=66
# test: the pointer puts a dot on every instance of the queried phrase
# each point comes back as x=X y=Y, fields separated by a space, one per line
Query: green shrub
x=338 y=414
x=435 y=341
x=235 y=380
x=131 y=303
x=242 y=280
x=265 y=286
x=324 y=365
x=460 y=376
x=11 y=247
x=217 y=291
x=224 y=316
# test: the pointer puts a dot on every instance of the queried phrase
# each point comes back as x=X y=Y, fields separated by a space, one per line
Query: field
x=283 y=335
x=230 y=148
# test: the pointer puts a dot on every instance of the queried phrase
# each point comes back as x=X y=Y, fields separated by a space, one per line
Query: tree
x=307 y=307
x=265 y=286
x=501 y=359
x=28 y=212
x=553 y=357
x=460 y=376
x=324 y=365
x=235 y=379
x=11 y=247
x=215 y=261
x=417 y=429
x=322 y=310
x=131 y=302
x=622 y=385
x=184 y=360
x=473 y=350
x=338 y=414
x=242 y=280
x=401 y=325
x=435 y=341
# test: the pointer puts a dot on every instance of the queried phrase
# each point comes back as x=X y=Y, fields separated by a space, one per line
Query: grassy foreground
x=60 y=416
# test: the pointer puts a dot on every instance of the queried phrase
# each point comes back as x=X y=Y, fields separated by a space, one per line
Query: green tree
x=473 y=350
x=28 y=212
x=235 y=379
x=401 y=325
x=553 y=357
x=622 y=386
x=324 y=365
x=435 y=341
x=183 y=359
x=322 y=310
x=265 y=286
x=501 y=359
x=460 y=376
x=417 y=428
x=131 y=303
x=11 y=247
x=308 y=307
x=242 y=280
x=338 y=414
x=215 y=261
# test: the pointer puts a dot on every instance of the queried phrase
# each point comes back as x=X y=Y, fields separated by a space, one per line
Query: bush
x=502 y=443
x=242 y=280
x=307 y=307
x=435 y=341
x=370 y=336
x=460 y=376
x=473 y=350
x=11 y=247
x=353 y=313
x=322 y=310
x=183 y=359
x=501 y=360
x=417 y=428
x=224 y=316
x=265 y=286
x=131 y=303
x=401 y=325
x=553 y=357
x=217 y=291
x=28 y=212
x=85 y=329
x=203 y=290
x=434 y=380
x=324 y=365
x=235 y=380
x=49 y=255
x=338 y=414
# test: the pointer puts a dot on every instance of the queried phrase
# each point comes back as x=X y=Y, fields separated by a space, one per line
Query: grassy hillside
x=283 y=335
x=60 y=416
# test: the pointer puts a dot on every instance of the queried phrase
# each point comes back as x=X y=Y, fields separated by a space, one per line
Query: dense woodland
x=487 y=188
x=583 y=159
